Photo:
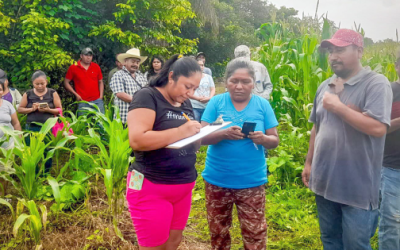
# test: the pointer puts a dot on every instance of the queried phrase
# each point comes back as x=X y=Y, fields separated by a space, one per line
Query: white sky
x=378 y=18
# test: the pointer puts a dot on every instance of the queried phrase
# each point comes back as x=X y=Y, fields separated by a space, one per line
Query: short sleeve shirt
x=237 y=164
x=6 y=110
x=346 y=164
x=86 y=82
x=392 y=144
x=204 y=90
x=123 y=81
x=165 y=165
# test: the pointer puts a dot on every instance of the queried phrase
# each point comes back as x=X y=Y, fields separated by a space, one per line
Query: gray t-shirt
x=207 y=71
x=347 y=163
x=6 y=110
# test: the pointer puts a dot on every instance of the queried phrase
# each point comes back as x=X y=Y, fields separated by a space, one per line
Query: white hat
x=132 y=53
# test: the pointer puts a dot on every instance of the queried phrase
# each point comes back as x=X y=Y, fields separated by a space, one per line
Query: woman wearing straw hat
x=128 y=80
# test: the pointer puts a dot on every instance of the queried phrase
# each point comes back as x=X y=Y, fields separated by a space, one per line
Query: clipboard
x=203 y=132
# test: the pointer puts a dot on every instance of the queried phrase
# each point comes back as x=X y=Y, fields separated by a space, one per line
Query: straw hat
x=132 y=53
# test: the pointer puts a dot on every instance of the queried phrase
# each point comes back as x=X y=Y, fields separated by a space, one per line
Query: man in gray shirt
x=262 y=86
x=351 y=115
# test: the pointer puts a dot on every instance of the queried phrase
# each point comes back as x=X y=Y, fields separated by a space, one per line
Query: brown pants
x=250 y=204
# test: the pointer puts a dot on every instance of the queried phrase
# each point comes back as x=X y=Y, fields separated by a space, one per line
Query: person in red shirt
x=88 y=81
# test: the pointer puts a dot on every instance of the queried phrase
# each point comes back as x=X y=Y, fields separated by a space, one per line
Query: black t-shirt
x=38 y=116
x=392 y=144
x=165 y=165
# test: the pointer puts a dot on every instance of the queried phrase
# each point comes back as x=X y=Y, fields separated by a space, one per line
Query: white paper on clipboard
x=203 y=132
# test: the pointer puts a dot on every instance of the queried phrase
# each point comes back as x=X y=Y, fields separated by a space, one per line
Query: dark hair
x=2 y=85
x=239 y=63
x=180 y=66
x=151 y=69
x=37 y=74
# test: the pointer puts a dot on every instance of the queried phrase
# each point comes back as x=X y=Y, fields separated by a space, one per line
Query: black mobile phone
x=248 y=127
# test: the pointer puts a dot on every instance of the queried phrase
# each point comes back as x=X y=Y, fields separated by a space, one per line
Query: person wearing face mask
x=88 y=81
x=156 y=64
x=160 y=205
x=39 y=104
x=127 y=81
x=236 y=171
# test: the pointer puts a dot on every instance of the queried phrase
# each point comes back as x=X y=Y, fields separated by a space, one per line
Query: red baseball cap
x=344 y=38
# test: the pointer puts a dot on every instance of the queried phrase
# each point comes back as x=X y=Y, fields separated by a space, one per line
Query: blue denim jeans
x=98 y=102
x=389 y=224
x=198 y=113
x=345 y=227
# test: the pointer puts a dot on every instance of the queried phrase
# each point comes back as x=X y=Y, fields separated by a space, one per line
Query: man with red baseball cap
x=351 y=115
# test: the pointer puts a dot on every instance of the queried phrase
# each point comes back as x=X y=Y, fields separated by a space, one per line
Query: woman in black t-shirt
x=160 y=181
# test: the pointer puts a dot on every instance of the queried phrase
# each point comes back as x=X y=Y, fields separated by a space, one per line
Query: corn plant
x=35 y=222
x=31 y=158
x=293 y=64
x=114 y=153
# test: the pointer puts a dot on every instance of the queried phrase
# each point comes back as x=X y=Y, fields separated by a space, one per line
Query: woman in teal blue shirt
x=236 y=170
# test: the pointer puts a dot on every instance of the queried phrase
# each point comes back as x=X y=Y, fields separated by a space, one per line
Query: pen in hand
x=185 y=115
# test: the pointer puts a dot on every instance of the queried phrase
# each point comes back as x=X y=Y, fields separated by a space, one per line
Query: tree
x=48 y=35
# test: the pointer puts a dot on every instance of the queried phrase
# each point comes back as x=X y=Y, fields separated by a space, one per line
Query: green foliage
x=114 y=154
x=295 y=70
x=36 y=222
x=48 y=35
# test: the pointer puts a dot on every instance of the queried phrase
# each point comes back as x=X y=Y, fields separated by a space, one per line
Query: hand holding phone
x=248 y=127
x=43 y=105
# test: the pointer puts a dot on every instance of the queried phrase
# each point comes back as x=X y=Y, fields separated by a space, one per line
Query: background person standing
x=202 y=56
x=127 y=81
x=389 y=224
x=88 y=81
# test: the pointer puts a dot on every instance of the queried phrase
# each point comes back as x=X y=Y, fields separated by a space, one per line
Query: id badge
x=136 y=180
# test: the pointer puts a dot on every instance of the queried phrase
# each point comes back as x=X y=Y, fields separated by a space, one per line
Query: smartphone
x=248 y=127
x=43 y=105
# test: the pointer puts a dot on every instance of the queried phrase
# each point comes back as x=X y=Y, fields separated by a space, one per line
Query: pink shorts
x=157 y=209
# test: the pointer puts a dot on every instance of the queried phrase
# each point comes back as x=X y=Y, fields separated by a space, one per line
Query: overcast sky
x=378 y=18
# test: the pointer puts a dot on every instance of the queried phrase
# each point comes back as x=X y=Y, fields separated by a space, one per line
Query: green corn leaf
x=43 y=209
x=56 y=189
x=21 y=219
x=48 y=125
x=108 y=182
x=4 y=202
x=35 y=227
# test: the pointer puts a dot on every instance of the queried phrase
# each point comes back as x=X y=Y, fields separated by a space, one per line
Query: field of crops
x=81 y=205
